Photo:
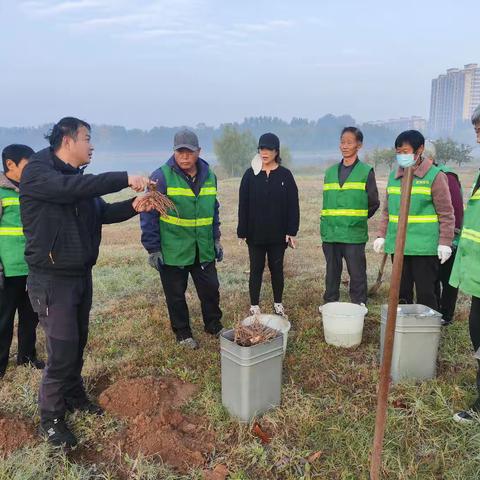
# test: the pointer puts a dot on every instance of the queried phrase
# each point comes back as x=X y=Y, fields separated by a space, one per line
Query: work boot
x=57 y=433
x=32 y=362
x=189 y=343
x=84 y=405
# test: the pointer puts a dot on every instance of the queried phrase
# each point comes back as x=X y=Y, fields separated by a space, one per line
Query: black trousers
x=474 y=326
x=420 y=272
x=474 y=323
x=205 y=279
x=446 y=294
x=63 y=305
x=354 y=255
x=13 y=298
x=275 y=254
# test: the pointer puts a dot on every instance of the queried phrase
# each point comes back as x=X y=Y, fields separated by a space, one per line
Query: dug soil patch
x=155 y=425
x=14 y=434
x=145 y=396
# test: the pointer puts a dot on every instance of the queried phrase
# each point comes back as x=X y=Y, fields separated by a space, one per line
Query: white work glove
x=444 y=253
x=378 y=245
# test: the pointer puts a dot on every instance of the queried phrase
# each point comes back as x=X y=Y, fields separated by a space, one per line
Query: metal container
x=251 y=376
x=417 y=336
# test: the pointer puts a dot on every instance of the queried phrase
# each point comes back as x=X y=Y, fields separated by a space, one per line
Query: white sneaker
x=466 y=417
x=189 y=343
x=255 y=310
x=279 y=309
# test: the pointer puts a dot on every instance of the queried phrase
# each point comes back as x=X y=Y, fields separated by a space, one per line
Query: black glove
x=218 y=250
x=155 y=260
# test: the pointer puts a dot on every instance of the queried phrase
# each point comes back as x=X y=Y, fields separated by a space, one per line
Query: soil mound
x=180 y=441
x=148 y=396
x=14 y=434
x=155 y=425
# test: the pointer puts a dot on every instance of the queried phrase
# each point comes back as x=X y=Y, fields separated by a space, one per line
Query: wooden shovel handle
x=382 y=266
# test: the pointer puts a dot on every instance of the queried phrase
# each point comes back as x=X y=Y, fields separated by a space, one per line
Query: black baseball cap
x=270 y=141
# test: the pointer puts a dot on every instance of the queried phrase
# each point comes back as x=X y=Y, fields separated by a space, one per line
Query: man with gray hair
x=466 y=275
x=187 y=240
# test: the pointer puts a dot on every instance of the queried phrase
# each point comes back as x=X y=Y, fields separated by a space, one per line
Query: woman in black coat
x=268 y=218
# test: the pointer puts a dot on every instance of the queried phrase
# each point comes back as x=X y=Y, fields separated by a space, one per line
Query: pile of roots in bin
x=158 y=201
x=253 y=334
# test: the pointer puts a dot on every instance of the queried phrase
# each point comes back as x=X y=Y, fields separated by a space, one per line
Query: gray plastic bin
x=251 y=376
x=417 y=335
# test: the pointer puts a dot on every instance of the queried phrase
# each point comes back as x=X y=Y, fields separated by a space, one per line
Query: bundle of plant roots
x=253 y=334
x=160 y=202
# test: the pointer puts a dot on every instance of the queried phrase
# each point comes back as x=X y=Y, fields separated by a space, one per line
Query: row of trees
x=300 y=134
x=446 y=151
x=235 y=149
x=235 y=144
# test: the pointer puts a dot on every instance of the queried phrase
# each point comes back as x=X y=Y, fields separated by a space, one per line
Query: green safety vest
x=12 y=240
x=344 y=217
x=188 y=230
x=466 y=269
x=446 y=170
x=423 y=229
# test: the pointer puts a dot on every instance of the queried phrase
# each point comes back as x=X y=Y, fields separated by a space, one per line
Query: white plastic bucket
x=276 y=322
x=343 y=323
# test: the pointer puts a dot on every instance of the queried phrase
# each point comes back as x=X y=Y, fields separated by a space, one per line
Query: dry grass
x=329 y=393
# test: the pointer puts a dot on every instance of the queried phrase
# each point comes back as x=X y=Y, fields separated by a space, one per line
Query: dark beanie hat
x=270 y=141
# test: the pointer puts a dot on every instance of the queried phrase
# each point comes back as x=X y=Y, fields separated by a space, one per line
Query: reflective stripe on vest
x=416 y=218
x=11 y=231
x=470 y=234
x=415 y=190
x=344 y=213
x=10 y=201
x=188 y=192
x=184 y=222
x=345 y=186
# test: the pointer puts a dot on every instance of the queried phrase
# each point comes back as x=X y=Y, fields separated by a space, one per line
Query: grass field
x=328 y=396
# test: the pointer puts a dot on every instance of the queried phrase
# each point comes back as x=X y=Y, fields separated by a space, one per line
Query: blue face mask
x=406 y=160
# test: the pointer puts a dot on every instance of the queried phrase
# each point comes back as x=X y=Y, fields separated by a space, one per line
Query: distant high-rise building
x=455 y=95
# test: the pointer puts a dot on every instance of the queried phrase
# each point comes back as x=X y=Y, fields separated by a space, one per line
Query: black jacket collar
x=48 y=156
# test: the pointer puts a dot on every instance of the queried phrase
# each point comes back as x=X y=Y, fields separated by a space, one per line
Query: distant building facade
x=454 y=97
x=400 y=124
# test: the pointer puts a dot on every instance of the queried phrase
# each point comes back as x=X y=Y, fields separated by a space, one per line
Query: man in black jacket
x=62 y=215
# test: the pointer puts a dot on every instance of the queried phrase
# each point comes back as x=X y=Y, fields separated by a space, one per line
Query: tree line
x=446 y=151
x=299 y=134
x=234 y=144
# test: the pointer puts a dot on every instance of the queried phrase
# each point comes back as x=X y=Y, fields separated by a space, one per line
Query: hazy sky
x=141 y=63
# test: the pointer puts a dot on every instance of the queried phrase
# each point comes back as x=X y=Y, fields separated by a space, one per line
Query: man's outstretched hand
x=139 y=183
x=140 y=206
